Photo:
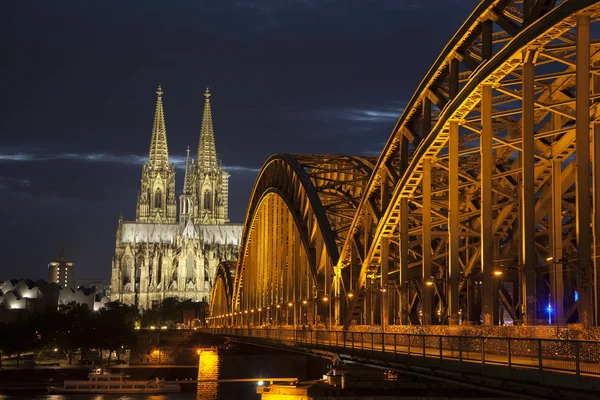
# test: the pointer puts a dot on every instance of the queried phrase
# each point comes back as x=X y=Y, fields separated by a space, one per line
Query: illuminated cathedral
x=165 y=254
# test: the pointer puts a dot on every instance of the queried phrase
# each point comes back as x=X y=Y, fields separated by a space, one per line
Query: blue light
x=549 y=310
x=576 y=296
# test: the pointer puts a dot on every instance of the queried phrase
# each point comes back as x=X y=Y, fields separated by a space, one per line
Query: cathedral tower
x=211 y=183
x=156 y=200
x=187 y=198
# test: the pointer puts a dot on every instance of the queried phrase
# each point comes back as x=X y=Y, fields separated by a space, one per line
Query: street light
x=350 y=295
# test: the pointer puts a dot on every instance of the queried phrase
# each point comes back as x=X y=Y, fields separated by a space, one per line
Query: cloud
x=339 y=115
x=44 y=155
x=10 y=184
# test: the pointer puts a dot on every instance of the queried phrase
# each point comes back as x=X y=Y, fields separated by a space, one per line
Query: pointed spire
x=187 y=180
x=159 y=151
x=207 y=153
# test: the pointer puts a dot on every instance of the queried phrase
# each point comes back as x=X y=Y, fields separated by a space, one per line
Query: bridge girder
x=220 y=304
x=445 y=207
x=297 y=219
x=484 y=194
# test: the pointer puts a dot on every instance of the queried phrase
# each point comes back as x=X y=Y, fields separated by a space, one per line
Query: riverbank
x=37 y=380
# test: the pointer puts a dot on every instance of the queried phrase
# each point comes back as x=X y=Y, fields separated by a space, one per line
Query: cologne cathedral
x=162 y=254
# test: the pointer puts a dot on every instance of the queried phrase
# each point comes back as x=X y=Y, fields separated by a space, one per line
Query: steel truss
x=222 y=292
x=298 y=218
x=480 y=208
x=480 y=205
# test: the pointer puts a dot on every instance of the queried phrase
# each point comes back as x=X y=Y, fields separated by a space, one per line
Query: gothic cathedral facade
x=162 y=254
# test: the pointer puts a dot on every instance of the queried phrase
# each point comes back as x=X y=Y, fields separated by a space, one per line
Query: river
x=236 y=361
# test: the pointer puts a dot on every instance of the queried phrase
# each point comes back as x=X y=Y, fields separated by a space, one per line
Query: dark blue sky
x=78 y=94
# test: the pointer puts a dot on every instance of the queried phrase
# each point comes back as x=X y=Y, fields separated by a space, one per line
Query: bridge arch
x=477 y=180
x=220 y=303
x=296 y=221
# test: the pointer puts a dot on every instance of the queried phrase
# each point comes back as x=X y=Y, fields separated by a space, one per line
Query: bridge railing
x=568 y=356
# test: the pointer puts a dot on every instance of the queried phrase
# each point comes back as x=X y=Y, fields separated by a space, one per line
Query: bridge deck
x=530 y=368
x=557 y=355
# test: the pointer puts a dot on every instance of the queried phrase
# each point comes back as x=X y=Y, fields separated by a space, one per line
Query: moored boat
x=103 y=381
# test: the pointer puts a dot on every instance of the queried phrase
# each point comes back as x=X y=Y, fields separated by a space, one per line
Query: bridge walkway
x=543 y=366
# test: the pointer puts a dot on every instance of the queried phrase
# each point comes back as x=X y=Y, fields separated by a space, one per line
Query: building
x=101 y=286
x=61 y=271
x=21 y=297
x=162 y=254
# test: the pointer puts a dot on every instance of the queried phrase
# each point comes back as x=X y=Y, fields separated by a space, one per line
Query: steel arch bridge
x=481 y=207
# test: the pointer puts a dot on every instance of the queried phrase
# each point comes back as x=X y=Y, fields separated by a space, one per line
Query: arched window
x=207 y=200
x=158 y=198
x=126 y=271
x=138 y=269
x=190 y=267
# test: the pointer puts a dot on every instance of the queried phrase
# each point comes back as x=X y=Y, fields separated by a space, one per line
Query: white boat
x=103 y=381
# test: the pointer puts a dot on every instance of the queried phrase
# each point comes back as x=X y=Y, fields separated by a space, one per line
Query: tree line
x=75 y=330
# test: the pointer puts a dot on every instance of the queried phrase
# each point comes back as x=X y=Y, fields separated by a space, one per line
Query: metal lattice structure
x=298 y=218
x=222 y=289
x=482 y=204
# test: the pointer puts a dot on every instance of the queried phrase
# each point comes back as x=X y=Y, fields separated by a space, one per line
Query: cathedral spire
x=207 y=154
x=159 y=151
x=187 y=180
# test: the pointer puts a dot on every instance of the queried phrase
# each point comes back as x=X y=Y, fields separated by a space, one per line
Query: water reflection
x=208 y=373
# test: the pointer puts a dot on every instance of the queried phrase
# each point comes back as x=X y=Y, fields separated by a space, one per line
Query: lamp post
x=305 y=304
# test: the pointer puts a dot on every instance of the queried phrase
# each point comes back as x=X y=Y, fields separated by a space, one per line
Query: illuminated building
x=61 y=271
x=159 y=255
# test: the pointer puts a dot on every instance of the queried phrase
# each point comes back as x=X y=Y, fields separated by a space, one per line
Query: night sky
x=78 y=96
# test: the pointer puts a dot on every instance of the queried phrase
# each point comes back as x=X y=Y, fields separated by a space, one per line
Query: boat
x=103 y=381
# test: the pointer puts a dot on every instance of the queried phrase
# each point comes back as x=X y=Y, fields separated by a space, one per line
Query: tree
x=115 y=324
x=17 y=338
x=73 y=331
